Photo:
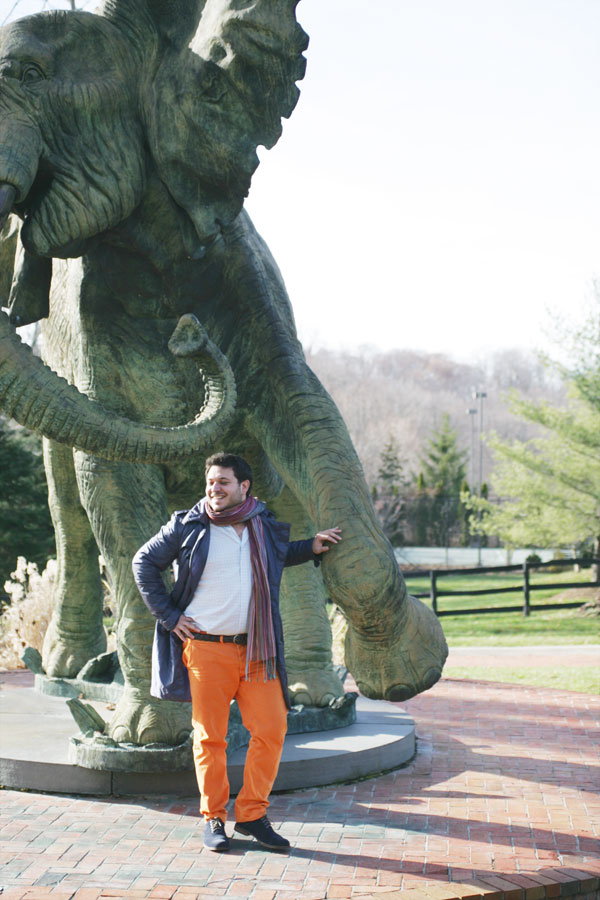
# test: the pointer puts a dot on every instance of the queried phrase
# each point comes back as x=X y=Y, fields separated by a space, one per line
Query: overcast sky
x=437 y=186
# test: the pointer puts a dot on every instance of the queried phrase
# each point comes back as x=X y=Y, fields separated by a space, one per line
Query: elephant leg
x=76 y=633
x=312 y=679
x=126 y=505
x=395 y=646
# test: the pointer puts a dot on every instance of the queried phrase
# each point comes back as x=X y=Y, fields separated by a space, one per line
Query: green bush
x=534 y=559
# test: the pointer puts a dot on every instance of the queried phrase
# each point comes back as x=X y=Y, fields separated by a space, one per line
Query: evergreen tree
x=552 y=483
x=444 y=463
x=388 y=493
x=390 y=478
x=443 y=472
x=25 y=522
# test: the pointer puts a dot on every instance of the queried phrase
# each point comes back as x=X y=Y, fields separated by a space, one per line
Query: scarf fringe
x=267 y=670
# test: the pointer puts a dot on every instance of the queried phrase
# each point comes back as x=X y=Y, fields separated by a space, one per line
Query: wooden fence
x=527 y=568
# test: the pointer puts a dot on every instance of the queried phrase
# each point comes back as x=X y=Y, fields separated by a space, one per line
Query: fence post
x=433 y=590
x=526 y=609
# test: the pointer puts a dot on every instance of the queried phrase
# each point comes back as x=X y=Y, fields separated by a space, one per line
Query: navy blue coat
x=183 y=542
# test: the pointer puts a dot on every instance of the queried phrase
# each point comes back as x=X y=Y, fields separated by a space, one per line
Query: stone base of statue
x=101 y=680
x=94 y=750
x=323 y=746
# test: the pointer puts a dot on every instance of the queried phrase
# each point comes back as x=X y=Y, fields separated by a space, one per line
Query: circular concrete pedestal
x=36 y=732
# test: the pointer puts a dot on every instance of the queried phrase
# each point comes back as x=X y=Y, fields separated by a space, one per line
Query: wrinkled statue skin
x=127 y=142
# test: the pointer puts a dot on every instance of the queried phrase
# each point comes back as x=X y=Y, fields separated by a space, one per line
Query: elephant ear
x=225 y=75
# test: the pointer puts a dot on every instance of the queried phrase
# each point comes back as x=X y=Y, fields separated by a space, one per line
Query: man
x=219 y=636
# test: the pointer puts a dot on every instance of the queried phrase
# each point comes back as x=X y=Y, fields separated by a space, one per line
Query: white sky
x=437 y=185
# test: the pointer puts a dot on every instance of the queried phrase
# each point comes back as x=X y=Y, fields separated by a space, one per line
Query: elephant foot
x=140 y=719
x=64 y=656
x=314 y=687
x=400 y=664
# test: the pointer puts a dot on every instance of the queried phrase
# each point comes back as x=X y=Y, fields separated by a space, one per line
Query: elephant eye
x=31 y=73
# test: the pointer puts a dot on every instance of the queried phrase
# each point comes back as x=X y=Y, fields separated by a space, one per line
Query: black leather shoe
x=215 y=837
x=262 y=831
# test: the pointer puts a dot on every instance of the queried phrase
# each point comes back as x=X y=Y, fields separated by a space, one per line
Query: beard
x=92 y=173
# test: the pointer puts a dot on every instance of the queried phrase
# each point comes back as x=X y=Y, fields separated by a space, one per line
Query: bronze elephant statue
x=127 y=143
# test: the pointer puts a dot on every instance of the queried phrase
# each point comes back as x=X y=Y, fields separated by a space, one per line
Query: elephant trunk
x=41 y=400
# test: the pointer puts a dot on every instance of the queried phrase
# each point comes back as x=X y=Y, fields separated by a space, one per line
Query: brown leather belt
x=221 y=638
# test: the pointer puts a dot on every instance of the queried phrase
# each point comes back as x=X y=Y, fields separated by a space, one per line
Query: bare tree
x=405 y=394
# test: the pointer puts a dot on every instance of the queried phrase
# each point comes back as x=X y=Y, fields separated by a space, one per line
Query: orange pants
x=217 y=676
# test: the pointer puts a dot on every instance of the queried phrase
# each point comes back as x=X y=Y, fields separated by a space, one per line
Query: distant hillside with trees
x=404 y=396
x=416 y=427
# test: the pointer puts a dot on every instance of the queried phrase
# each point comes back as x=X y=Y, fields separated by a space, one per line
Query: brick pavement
x=502 y=801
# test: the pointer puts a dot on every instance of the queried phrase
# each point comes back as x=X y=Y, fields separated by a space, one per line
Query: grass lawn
x=508 y=629
x=551 y=628
x=545 y=627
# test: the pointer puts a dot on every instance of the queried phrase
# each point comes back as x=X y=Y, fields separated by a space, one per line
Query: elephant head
x=92 y=106
x=61 y=106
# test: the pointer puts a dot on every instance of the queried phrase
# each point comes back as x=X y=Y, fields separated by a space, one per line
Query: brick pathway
x=506 y=781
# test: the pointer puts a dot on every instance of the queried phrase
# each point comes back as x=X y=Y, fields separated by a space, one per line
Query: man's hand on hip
x=323 y=539
x=186 y=627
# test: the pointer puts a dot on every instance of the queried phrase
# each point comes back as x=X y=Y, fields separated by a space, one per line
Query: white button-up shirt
x=221 y=600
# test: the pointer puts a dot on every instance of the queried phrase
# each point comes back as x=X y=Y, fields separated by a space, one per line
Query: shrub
x=534 y=559
x=558 y=554
x=25 y=620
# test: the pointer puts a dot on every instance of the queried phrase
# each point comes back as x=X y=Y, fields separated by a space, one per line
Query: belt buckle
x=238 y=638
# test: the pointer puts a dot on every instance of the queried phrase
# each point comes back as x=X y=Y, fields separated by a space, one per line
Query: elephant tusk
x=7 y=199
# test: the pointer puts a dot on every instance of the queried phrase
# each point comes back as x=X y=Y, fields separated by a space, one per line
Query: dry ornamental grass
x=25 y=621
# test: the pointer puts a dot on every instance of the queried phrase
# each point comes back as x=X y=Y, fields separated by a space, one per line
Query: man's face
x=223 y=489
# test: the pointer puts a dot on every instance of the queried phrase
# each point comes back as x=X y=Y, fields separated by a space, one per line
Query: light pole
x=471 y=414
x=481 y=396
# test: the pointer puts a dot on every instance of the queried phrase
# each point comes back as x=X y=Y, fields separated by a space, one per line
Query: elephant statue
x=128 y=140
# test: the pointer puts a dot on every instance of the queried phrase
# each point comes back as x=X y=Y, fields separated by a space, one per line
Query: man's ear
x=214 y=98
x=245 y=487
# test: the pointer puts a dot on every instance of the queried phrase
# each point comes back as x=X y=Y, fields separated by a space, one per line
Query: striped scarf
x=261 y=634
